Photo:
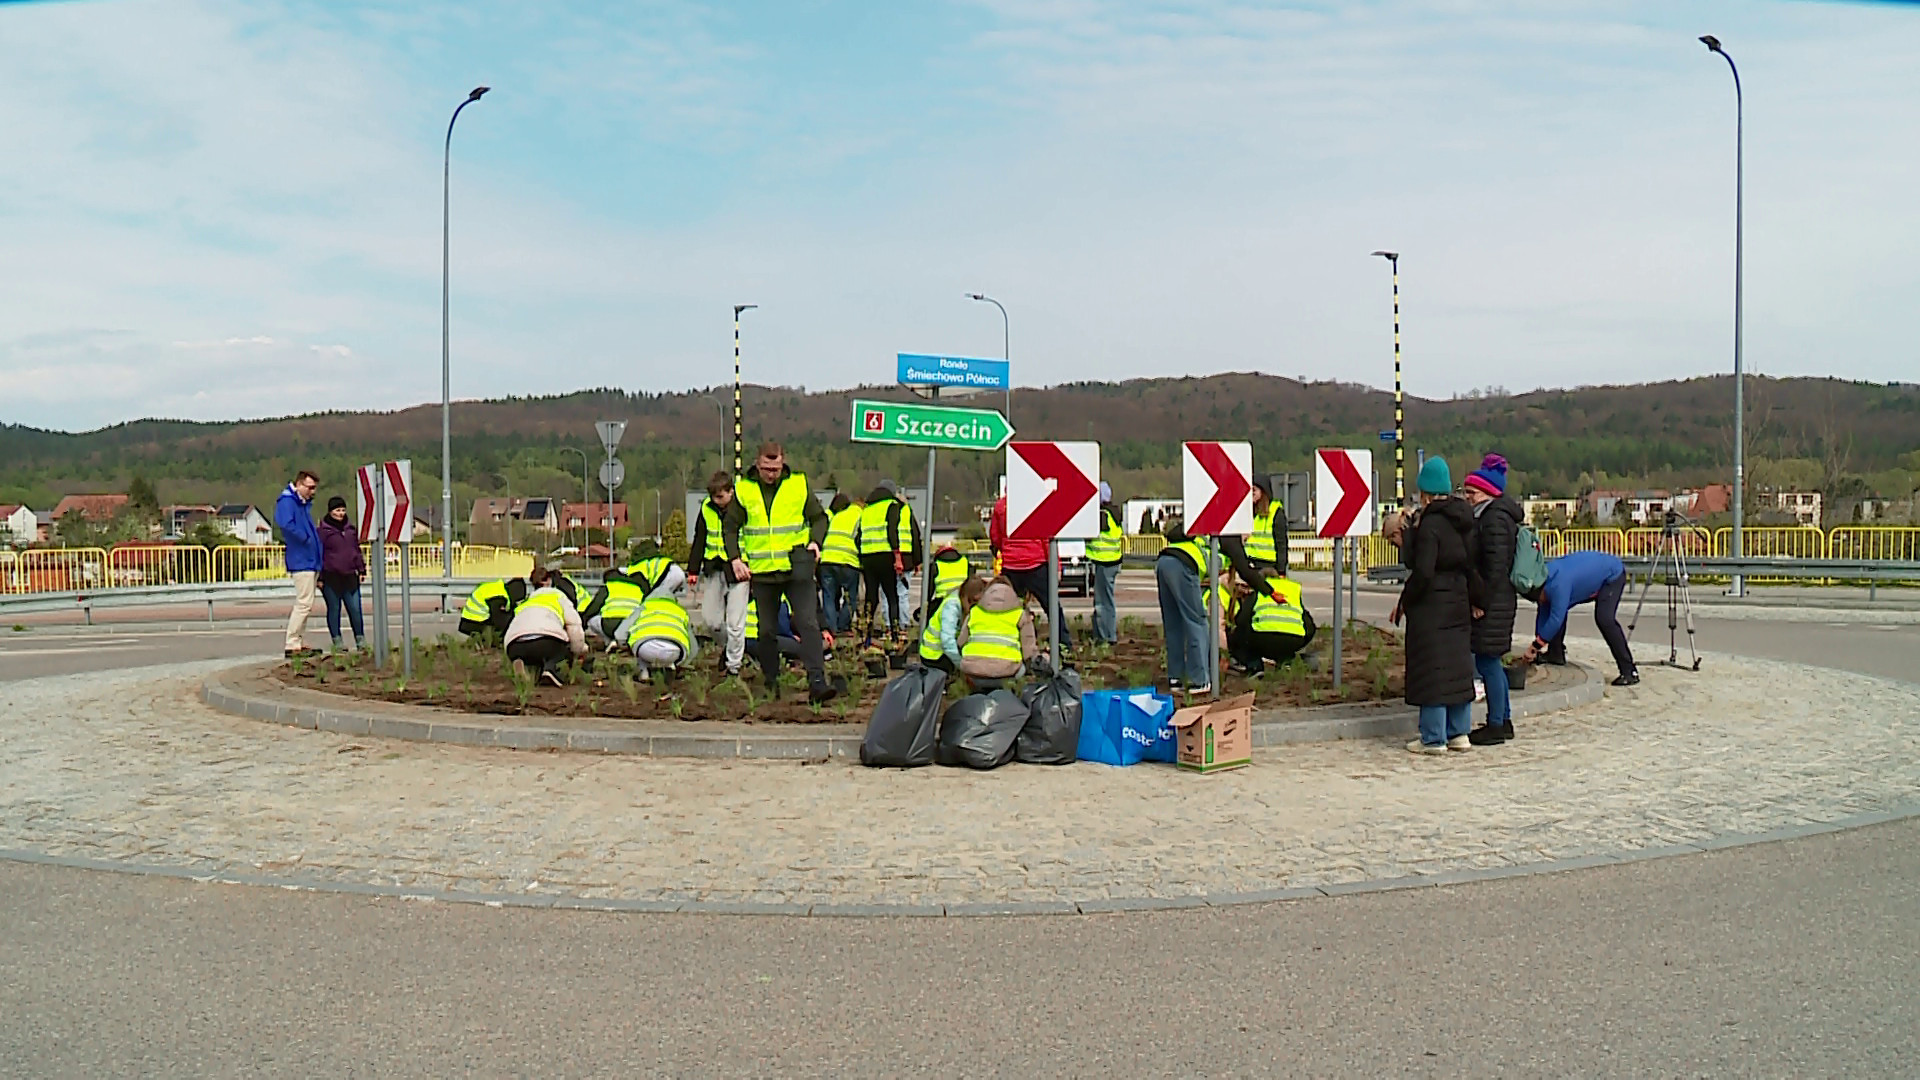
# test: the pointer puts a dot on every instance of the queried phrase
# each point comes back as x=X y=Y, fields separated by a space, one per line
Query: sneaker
x=1631 y=678
x=733 y=672
x=1418 y=747
x=1490 y=734
x=1198 y=690
x=1556 y=661
x=551 y=678
x=1173 y=686
x=822 y=693
x=1460 y=743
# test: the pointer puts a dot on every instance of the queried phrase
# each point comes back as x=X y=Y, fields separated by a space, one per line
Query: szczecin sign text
x=929 y=425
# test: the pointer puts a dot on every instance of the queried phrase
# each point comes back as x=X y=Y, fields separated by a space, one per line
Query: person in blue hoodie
x=1573 y=580
x=293 y=513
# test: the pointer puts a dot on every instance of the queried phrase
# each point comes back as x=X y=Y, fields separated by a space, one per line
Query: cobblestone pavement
x=129 y=766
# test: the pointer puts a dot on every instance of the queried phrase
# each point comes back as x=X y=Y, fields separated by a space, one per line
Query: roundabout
x=130 y=770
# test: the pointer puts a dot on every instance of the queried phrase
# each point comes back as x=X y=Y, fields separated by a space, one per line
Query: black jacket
x=1437 y=600
x=815 y=514
x=697 y=562
x=1498 y=526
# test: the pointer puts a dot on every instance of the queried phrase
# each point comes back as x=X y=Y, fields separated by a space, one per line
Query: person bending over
x=545 y=630
x=1583 y=577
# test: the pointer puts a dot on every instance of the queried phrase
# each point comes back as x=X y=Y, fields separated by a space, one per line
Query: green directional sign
x=939 y=426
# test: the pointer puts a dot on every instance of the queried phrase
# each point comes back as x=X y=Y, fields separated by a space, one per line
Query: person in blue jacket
x=1573 y=580
x=293 y=513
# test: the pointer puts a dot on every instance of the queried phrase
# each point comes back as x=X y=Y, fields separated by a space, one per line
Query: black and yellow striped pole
x=739 y=464
x=1399 y=399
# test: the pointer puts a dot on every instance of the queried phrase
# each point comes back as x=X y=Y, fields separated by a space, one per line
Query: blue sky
x=231 y=209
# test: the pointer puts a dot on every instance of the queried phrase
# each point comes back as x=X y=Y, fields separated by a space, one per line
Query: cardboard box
x=1215 y=737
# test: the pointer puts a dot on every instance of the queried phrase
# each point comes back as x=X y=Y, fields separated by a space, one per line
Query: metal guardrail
x=448 y=591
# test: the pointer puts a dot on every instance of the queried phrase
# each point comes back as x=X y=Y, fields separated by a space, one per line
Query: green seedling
x=18 y=628
x=676 y=707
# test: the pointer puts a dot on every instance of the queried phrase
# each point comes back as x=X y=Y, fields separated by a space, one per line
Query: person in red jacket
x=1024 y=563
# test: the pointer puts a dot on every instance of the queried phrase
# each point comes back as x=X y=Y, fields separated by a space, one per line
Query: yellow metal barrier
x=1694 y=542
x=1790 y=542
x=1552 y=543
x=52 y=570
x=1897 y=543
x=135 y=565
x=1611 y=541
x=249 y=562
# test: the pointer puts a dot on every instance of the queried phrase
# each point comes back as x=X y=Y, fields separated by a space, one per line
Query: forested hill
x=1558 y=440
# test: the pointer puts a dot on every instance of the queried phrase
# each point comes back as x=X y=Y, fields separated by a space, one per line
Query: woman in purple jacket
x=340 y=568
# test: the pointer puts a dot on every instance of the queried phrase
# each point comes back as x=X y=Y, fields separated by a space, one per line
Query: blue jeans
x=839 y=593
x=1183 y=619
x=348 y=598
x=1493 y=672
x=1106 y=621
x=1438 y=723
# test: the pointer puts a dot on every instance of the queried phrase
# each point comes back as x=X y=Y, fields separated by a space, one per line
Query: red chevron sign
x=1343 y=492
x=1053 y=490
x=1218 y=478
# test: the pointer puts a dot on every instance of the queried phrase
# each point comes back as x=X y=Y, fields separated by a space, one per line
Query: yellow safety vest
x=1260 y=546
x=1273 y=617
x=710 y=519
x=948 y=576
x=662 y=617
x=623 y=599
x=1111 y=545
x=550 y=598
x=843 y=539
x=475 y=609
x=650 y=571
x=993 y=635
x=1193 y=551
x=873 y=528
x=753 y=620
x=773 y=532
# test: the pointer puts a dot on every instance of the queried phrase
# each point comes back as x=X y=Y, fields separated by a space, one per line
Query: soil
x=459 y=674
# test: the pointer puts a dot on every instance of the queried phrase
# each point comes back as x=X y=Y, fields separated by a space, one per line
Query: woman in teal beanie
x=1438 y=601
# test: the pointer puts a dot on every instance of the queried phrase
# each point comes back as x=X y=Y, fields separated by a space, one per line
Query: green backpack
x=1529 y=561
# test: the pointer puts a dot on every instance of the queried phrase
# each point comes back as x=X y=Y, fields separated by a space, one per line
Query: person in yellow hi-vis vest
x=1270 y=624
x=996 y=637
x=491 y=606
x=545 y=630
x=780 y=544
x=711 y=553
x=1105 y=552
x=660 y=633
x=840 y=565
x=889 y=547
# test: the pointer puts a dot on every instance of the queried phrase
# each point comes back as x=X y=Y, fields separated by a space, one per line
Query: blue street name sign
x=1386 y=436
x=960 y=371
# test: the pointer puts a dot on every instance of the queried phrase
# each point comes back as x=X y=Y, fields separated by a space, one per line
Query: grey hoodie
x=998 y=598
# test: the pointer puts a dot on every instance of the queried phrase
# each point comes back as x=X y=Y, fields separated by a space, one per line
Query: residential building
x=99 y=509
x=19 y=523
x=1544 y=510
x=536 y=513
x=1700 y=502
x=246 y=523
x=1803 y=505
x=178 y=521
x=604 y=516
x=1641 y=508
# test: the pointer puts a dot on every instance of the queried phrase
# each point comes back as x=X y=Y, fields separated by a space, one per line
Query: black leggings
x=881 y=580
x=1606 y=616
x=546 y=653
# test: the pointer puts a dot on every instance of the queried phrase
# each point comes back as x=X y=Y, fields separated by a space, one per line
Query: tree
x=141 y=497
x=210 y=535
x=673 y=536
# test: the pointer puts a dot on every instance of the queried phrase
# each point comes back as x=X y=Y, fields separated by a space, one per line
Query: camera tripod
x=1671 y=554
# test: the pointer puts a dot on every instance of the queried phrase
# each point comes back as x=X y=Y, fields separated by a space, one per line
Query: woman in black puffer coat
x=1498 y=518
x=1438 y=601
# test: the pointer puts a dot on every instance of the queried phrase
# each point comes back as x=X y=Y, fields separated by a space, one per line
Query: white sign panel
x=1343 y=492
x=1053 y=490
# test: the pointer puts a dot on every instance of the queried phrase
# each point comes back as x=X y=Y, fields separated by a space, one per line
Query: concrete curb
x=318 y=711
x=1099 y=906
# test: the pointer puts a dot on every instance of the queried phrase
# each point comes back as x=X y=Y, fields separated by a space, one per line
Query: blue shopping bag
x=1126 y=727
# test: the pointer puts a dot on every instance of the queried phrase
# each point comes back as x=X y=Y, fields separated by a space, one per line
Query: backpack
x=1529 y=561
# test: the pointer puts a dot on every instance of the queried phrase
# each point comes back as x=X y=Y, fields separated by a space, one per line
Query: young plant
x=523 y=685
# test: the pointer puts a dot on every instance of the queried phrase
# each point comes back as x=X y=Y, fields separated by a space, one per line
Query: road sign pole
x=406 y=611
x=1213 y=611
x=1353 y=577
x=926 y=548
x=379 y=566
x=1053 y=605
x=1337 y=549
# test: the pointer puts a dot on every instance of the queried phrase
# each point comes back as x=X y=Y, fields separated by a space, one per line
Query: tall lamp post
x=446 y=349
x=1006 y=347
x=1399 y=399
x=1739 y=321
x=739 y=465
x=586 y=506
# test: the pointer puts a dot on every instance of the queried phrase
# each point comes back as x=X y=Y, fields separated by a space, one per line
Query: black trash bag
x=1052 y=733
x=979 y=730
x=903 y=730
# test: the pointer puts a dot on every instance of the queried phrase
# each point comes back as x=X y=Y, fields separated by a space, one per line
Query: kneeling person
x=996 y=637
x=545 y=631
x=660 y=633
x=491 y=606
x=1270 y=625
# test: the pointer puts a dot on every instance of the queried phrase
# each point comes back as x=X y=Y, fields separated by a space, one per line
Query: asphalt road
x=1785 y=959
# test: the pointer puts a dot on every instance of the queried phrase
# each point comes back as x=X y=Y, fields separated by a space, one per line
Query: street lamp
x=739 y=464
x=1399 y=399
x=1739 y=322
x=446 y=351
x=1006 y=348
x=586 y=506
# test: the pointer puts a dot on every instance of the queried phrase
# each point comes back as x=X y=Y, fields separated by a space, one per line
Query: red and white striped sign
x=1053 y=490
x=1217 y=488
x=1343 y=492
x=386 y=499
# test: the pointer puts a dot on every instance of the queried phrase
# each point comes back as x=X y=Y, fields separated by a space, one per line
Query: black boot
x=1491 y=734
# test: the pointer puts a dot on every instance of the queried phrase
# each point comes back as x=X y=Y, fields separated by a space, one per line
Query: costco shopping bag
x=905 y=722
x=979 y=730
x=1126 y=727
x=1052 y=734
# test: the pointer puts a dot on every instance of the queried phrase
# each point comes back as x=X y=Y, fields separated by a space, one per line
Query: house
x=19 y=523
x=246 y=523
x=99 y=509
x=1700 y=502
x=1544 y=510
x=593 y=515
x=1804 y=506
x=534 y=513
x=1638 y=507
x=178 y=521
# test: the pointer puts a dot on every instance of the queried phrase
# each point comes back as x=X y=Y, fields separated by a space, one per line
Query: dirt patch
x=459 y=674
